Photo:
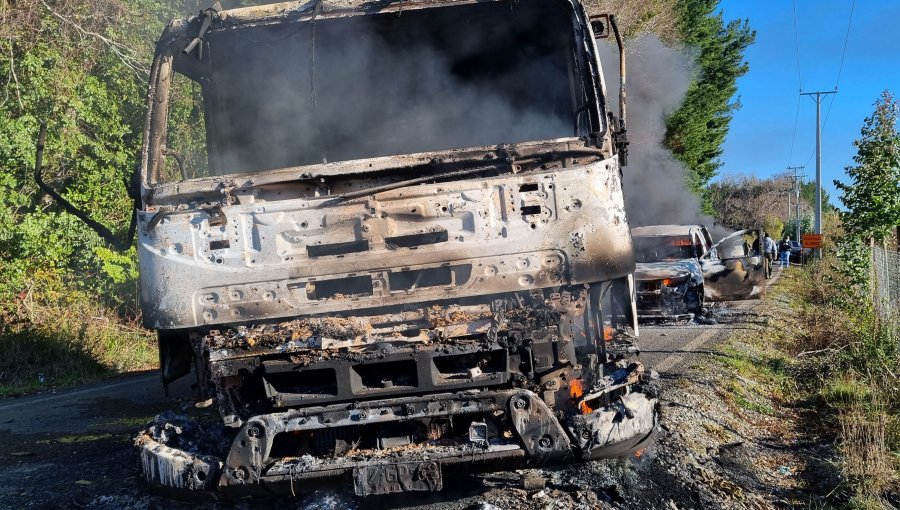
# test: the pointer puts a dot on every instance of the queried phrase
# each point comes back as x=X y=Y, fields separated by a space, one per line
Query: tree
x=748 y=201
x=81 y=67
x=872 y=198
x=790 y=227
x=695 y=132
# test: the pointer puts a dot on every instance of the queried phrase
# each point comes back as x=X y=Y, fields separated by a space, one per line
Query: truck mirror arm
x=114 y=242
x=621 y=134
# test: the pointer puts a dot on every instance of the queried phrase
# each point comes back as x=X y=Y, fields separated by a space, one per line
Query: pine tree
x=872 y=198
x=695 y=132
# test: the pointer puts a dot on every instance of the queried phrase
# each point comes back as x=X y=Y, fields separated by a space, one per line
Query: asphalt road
x=66 y=448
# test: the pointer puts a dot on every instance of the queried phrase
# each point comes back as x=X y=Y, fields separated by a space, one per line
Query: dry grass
x=855 y=359
x=868 y=463
x=54 y=346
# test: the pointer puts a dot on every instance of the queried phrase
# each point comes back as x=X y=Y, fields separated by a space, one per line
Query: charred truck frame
x=389 y=239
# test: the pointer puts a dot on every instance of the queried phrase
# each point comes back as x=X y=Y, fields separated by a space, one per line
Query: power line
x=797 y=45
x=841 y=67
x=846 y=38
x=799 y=83
x=840 y=70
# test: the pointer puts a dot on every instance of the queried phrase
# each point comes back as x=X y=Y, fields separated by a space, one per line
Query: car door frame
x=734 y=276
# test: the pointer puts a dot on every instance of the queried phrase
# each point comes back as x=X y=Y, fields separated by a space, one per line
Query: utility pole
x=818 y=100
x=789 y=193
x=797 y=175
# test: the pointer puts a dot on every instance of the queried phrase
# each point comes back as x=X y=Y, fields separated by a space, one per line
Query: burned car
x=389 y=240
x=679 y=268
x=668 y=276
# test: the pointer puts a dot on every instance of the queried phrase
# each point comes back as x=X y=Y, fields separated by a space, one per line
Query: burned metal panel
x=251 y=261
x=732 y=271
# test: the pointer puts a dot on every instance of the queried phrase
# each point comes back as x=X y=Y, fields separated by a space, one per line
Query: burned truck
x=389 y=240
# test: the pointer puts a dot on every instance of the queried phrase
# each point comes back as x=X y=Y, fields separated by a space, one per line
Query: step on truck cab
x=389 y=240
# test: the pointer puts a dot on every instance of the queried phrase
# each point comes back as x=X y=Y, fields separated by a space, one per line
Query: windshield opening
x=340 y=89
x=663 y=248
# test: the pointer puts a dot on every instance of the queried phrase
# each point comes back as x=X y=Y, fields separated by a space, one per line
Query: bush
x=859 y=383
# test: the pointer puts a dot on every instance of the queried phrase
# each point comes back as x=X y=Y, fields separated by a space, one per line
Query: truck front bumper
x=507 y=429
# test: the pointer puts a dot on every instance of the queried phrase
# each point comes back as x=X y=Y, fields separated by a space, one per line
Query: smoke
x=482 y=74
x=369 y=86
x=656 y=190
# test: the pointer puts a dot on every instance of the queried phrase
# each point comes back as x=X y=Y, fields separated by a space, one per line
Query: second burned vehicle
x=388 y=238
x=679 y=268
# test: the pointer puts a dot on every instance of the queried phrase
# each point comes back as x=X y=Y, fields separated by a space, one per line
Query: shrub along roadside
x=53 y=340
x=824 y=358
x=858 y=356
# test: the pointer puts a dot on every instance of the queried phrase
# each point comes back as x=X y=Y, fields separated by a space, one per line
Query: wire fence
x=886 y=282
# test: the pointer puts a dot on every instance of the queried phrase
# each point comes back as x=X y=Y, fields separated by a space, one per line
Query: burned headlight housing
x=674 y=285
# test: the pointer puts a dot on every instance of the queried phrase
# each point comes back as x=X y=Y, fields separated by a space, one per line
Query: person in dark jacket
x=784 y=248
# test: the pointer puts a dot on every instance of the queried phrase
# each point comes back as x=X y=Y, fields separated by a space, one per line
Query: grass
x=55 y=346
x=826 y=355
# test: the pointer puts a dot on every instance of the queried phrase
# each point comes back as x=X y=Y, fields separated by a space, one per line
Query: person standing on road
x=769 y=247
x=785 y=249
x=768 y=251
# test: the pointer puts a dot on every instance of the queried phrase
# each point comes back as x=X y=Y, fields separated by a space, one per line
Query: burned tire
x=694 y=299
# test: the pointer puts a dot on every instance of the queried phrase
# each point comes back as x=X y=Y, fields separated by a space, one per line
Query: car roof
x=664 y=230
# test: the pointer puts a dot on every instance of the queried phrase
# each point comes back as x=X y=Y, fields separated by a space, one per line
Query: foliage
x=56 y=337
x=806 y=225
x=696 y=131
x=858 y=362
x=68 y=303
x=773 y=225
x=808 y=196
x=87 y=82
x=872 y=198
x=749 y=201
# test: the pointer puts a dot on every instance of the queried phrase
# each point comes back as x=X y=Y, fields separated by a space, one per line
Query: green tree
x=872 y=198
x=88 y=83
x=695 y=132
x=808 y=195
x=790 y=227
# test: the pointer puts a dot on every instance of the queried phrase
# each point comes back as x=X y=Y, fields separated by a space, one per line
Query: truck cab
x=388 y=240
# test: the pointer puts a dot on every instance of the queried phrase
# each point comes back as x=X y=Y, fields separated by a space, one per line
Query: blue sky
x=759 y=140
